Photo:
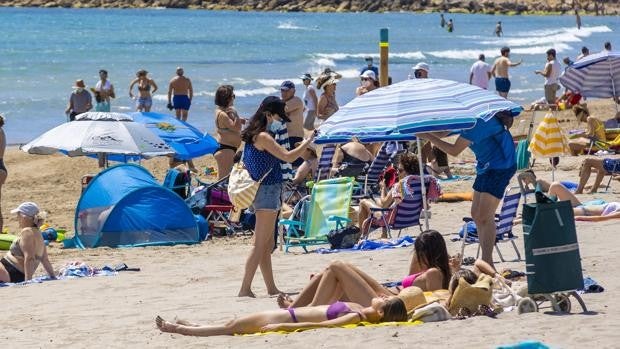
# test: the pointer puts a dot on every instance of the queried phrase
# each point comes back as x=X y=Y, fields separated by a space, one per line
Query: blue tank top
x=259 y=162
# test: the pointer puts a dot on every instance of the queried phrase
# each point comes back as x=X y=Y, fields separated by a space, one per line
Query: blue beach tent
x=125 y=206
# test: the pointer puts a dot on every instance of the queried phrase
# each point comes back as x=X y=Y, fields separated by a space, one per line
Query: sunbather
x=381 y=309
x=593 y=213
x=595 y=130
x=407 y=165
x=429 y=270
x=602 y=167
x=351 y=159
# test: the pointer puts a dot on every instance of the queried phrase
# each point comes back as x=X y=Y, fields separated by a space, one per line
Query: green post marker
x=384 y=49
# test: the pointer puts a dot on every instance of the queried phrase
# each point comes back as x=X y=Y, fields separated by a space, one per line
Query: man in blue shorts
x=492 y=144
x=500 y=72
x=181 y=88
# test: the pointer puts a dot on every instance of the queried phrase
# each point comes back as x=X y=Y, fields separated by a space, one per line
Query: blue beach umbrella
x=595 y=76
x=187 y=141
x=399 y=111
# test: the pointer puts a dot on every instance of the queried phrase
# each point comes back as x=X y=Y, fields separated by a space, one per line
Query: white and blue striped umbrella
x=399 y=111
x=595 y=76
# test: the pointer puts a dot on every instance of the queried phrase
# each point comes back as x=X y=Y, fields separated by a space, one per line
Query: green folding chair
x=326 y=208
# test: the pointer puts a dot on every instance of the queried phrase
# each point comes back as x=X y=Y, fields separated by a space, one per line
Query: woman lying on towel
x=429 y=270
x=28 y=250
x=380 y=309
x=592 y=213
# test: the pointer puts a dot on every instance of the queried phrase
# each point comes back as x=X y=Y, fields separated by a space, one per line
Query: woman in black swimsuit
x=228 y=129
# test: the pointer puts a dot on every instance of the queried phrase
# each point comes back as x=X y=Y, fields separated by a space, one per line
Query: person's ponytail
x=39 y=219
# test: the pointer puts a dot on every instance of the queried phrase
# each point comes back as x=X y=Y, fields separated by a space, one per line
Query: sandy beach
x=200 y=282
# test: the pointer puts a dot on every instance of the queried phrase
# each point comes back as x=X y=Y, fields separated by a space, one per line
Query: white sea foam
x=518 y=91
x=550 y=37
x=349 y=73
x=290 y=25
x=361 y=56
x=256 y=91
x=325 y=62
x=276 y=82
x=490 y=53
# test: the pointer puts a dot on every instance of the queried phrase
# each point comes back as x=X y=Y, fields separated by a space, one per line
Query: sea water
x=43 y=52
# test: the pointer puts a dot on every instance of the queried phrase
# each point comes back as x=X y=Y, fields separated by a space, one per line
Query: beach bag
x=553 y=262
x=241 y=187
x=344 y=238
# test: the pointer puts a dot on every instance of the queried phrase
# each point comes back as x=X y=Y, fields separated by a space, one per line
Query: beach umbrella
x=595 y=76
x=399 y=111
x=87 y=137
x=187 y=141
x=548 y=140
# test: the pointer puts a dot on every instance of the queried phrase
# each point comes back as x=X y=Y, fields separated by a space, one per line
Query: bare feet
x=284 y=301
x=165 y=326
x=247 y=293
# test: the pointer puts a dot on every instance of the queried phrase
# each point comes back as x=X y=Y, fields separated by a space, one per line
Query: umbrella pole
x=422 y=181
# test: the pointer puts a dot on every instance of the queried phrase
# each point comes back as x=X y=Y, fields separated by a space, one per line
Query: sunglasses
x=365 y=79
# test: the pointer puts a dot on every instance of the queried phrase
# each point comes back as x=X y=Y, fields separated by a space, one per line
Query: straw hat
x=414 y=298
x=79 y=84
x=471 y=296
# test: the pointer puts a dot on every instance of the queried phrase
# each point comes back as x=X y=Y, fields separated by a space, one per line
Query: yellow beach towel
x=548 y=139
x=360 y=324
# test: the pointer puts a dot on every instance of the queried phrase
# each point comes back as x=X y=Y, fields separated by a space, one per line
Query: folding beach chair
x=378 y=165
x=399 y=216
x=503 y=221
x=326 y=208
x=325 y=161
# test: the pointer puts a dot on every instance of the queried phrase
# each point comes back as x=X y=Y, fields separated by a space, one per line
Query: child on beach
x=336 y=314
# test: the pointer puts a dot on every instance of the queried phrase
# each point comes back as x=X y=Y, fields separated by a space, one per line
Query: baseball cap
x=275 y=105
x=369 y=74
x=422 y=66
x=306 y=76
x=29 y=209
x=287 y=85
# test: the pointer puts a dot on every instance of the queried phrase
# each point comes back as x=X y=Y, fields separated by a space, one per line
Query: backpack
x=344 y=238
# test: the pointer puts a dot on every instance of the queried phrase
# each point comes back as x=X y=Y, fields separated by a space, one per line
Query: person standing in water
x=498 y=29
x=500 y=71
x=450 y=26
x=442 y=21
x=145 y=98
x=180 y=94
x=104 y=90
x=578 y=19
x=3 y=171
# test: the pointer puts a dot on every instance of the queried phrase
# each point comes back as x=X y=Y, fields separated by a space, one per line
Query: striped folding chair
x=325 y=161
x=400 y=216
x=376 y=168
x=503 y=221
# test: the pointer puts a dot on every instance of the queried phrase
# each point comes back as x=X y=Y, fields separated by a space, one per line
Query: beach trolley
x=553 y=264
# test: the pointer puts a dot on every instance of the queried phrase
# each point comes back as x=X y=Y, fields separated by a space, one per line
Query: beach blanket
x=590 y=286
x=70 y=270
x=366 y=245
x=361 y=324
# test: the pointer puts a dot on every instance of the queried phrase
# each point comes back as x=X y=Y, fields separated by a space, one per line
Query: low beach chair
x=399 y=216
x=503 y=221
x=377 y=166
x=325 y=162
x=326 y=208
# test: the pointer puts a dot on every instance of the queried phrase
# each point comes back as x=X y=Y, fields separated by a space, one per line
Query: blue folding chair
x=503 y=221
x=325 y=161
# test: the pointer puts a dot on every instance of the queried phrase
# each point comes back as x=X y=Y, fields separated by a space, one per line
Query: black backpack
x=344 y=238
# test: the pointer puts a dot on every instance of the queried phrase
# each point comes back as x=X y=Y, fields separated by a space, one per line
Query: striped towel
x=282 y=138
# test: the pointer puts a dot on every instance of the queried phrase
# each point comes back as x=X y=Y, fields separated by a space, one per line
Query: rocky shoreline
x=596 y=7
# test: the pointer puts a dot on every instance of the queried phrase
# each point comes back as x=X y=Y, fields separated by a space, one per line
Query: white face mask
x=275 y=126
x=79 y=89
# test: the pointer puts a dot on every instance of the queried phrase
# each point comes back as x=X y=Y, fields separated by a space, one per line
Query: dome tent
x=125 y=206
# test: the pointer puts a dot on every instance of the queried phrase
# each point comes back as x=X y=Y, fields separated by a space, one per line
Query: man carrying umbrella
x=492 y=144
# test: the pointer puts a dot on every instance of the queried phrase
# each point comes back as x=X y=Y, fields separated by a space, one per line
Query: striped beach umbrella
x=595 y=76
x=399 y=111
x=548 y=140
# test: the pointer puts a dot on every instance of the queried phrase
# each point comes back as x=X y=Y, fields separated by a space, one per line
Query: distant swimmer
x=498 y=29
x=607 y=46
x=584 y=52
x=442 y=21
x=500 y=71
x=450 y=26
x=578 y=19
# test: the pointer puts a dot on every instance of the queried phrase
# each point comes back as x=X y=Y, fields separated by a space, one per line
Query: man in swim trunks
x=3 y=171
x=181 y=88
x=500 y=72
x=104 y=90
x=295 y=112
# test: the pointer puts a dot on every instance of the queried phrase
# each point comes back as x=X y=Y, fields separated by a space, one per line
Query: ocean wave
x=583 y=32
x=551 y=37
x=256 y=91
x=518 y=91
x=349 y=73
x=290 y=25
x=325 y=62
x=361 y=56
x=489 y=53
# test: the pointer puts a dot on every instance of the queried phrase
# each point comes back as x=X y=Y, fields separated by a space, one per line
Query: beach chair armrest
x=290 y=222
x=467 y=219
x=380 y=209
x=338 y=219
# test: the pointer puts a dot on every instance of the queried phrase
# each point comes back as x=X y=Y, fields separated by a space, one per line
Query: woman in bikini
x=227 y=130
x=429 y=270
x=380 y=309
x=327 y=102
x=592 y=213
x=28 y=250
x=595 y=130
x=145 y=99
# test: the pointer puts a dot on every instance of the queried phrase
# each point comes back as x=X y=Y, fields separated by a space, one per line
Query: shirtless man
x=295 y=111
x=500 y=72
x=181 y=87
x=104 y=90
x=3 y=171
x=498 y=29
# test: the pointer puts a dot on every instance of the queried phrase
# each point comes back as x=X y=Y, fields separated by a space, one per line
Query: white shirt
x=106 y=87
x=556 y=69
x=481 y=71
x=309 y=102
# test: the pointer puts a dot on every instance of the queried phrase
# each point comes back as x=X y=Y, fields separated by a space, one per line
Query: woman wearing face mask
x=262 y=156
x=369 y=82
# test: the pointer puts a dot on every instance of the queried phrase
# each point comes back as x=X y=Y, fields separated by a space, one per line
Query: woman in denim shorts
x=262 y=156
